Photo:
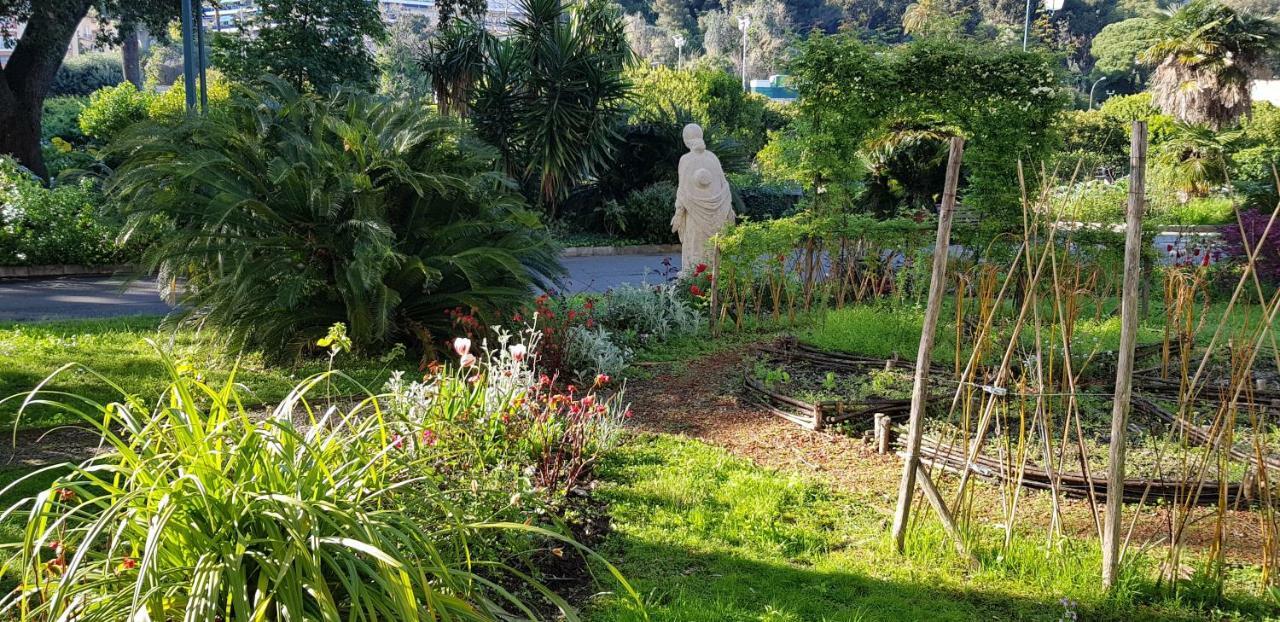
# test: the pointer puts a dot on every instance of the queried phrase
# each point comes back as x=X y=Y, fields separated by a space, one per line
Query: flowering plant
x=495 y=407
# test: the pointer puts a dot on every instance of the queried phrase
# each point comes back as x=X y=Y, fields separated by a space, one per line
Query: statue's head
x=693 y=137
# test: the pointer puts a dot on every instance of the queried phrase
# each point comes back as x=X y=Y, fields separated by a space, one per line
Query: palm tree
x=1205 y=55
x=920 y=15
x=549 y=97
x=1193 y=159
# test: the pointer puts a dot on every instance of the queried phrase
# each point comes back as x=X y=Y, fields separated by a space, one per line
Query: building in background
x=83 y=41
x=231 y=15
x=1265 y=91
x=775 y=88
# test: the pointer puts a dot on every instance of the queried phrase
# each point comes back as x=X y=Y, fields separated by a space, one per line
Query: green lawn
x=126 y=351
x=705 y=536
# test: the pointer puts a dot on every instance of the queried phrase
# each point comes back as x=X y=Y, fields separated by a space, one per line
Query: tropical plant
x=199 y=511
x=1205 y=55
x=295 y=211
x=1192 y=160
x=549 y=96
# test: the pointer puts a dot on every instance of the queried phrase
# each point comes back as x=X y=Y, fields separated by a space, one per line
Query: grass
x=708 y=537
x=119 y=350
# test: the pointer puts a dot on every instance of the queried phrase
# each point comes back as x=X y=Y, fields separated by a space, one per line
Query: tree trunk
x=25 y=81
x=129 y=53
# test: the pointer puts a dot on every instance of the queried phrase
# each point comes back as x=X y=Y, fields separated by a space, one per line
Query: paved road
x=86 y=297
x=90 y=297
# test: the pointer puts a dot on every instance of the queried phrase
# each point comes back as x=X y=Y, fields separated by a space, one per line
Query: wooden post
x=920 y=391
x=819 y=417
x=882 y=433
x=715 y=286
x=1111 y=537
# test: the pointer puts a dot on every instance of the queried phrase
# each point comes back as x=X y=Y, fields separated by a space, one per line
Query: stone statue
x=704 y=203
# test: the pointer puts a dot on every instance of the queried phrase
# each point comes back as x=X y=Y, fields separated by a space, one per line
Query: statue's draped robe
x=704 y=206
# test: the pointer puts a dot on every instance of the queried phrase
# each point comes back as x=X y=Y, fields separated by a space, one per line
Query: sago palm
x=293 y=212
x=1205 y=56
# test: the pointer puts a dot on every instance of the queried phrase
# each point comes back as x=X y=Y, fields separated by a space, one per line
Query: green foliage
x=312 y=44
x=294 y=212
x=199 y=510
x=761 y=200
x=1119 y=44
x=712 y=98
x=646 y=213
x=66 y=224
x=648 y=314
x=113 y=109
x=83 y=74
x=171 y=105
x=61 y=119
x=1097 y=201
x=1254 y=163
x=851 y=91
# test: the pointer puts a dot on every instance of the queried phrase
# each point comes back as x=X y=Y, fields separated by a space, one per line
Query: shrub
x=200 y=511
x=648 y=314
x=171 y=105
x=61 y=119
x=758 y=200
x=63 y=224
x=86 y=73
x=297 y=211
x=646 y=213
x=713 y=98
x=112 y=109
x=592 y=352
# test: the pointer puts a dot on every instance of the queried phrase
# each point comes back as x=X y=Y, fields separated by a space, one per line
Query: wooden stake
x=920 y=391
x=882 y=433
x=1129 y=304
x=715 y=286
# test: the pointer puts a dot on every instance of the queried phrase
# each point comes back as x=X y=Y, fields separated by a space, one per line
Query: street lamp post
x=679 y=41
x=1051 y=5
x=1095 y=85
x=744 y=22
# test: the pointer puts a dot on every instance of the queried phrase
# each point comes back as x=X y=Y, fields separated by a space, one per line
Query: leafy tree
x=1117 y=47
x=398 y=56
x=1204 y=56
x=294 y=211
x=315 y=44
x=768 y=37
x=26 y=79
x=712 y=98
x=651 y=43
x=86 y=73
x=1257 y=158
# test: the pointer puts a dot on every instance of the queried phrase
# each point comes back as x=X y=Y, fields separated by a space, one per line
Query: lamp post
x=1095 y=85
x=1051 y=5
x=678 y=39
x=744 y=22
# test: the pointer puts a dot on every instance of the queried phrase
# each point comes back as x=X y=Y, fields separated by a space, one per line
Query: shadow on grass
x=705 y=536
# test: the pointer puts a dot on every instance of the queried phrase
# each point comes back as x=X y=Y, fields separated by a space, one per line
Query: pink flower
x=468 y=360
x=429 y=437
x=397 y=441
x=462 y=346
x=518 y=351
x=602 y=380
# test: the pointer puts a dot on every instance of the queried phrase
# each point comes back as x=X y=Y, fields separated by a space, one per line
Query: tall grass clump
x=201 y=510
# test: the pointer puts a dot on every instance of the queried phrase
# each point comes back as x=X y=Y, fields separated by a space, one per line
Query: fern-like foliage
x=295 y=211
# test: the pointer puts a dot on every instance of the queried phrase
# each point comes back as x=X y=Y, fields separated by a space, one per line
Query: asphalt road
x=101 y=297
x=90 y=297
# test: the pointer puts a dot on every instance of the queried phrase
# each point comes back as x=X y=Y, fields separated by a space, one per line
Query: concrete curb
x=601 y=251
x=54 y=270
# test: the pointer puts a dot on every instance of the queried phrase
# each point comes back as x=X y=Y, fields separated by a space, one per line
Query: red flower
x=572 y=314
x=1205 y=261
x=695 y=290
x=517 y=317
x=128 y=563
x=699 y=269
x=589 y=304
x=591 y=323
x=66 y=494
x=602 y=380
